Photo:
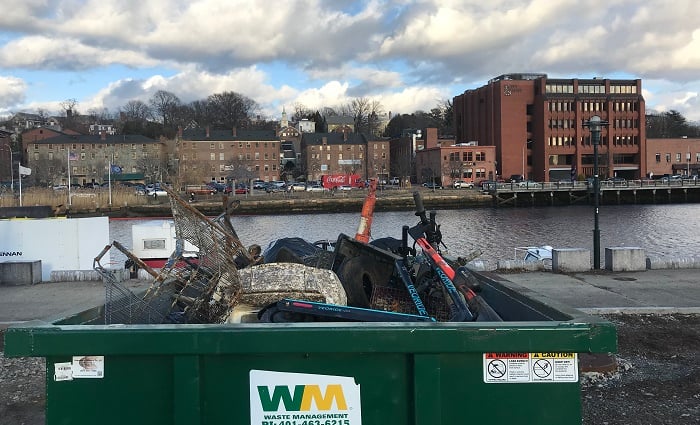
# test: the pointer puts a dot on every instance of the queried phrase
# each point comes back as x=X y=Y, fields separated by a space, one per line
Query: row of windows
x=475 y=173
x=340 y=147
x=561 y=124
x=586 y=140
x=617 y=123
x=589 y=89
x=76 y=171
x=222 y=156
x=340 y=156
x=92 y=155
x=625 y=140
x=623 y=89
x=628 y=123
x=679 y=157
x=560 y=106
x=84 y=146
x=469 y=156
x=593 y=106
x=221 y=145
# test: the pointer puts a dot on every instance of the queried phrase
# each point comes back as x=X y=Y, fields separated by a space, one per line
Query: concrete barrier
x=86 y=275
x=520 y=265
x=659 y=263
x=625 y=259
x=20 y=272
x=571 y=260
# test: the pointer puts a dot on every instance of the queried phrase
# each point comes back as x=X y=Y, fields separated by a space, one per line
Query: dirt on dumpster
x=657 y=380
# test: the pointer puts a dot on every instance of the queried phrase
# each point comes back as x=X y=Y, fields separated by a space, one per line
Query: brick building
x=220 y=155
x=343 y=153
x=536 y=125
x=673 y=156
x=442 y=161
x=136 y=159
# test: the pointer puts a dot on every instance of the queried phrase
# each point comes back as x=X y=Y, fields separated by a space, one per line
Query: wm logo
x=303 y=397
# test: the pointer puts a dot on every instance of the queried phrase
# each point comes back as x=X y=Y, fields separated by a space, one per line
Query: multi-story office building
x=537 y=125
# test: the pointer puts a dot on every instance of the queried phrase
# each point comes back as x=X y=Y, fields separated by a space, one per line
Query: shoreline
x=274 y=204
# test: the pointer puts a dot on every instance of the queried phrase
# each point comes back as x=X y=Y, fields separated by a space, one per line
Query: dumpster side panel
x=467 y=399
x=134 y=390
x=386 y=390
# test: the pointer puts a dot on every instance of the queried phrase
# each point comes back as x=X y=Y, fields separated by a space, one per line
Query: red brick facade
x=536 y=125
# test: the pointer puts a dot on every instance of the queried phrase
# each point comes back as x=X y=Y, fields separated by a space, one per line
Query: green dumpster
x=523 y=370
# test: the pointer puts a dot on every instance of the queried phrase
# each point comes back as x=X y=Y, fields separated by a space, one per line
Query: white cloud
x=12 y=92
x=39 y=52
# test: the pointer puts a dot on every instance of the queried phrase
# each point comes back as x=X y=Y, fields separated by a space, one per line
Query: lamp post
x=595 y=123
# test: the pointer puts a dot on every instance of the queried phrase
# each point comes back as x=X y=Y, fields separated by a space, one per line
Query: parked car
x=617 y=181
x=394 y=180
x=219 y=187
x=275 y=186
x=671 y=179
x=258 y=185
x=432 y=185
x=199 y=189
x=156 y=192
x=241 y=190
x=462 y=184
x=296 y=187
x=316 y=188
x=529 y=184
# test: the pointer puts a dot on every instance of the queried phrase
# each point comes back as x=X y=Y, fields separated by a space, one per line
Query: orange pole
x=363 y=230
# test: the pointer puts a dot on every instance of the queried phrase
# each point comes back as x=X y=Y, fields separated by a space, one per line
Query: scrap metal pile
x=349 y=279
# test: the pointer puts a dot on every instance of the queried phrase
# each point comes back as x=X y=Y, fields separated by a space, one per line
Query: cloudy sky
x=409 y=55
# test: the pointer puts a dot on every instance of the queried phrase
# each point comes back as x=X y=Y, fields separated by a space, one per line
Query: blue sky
x=405 y=55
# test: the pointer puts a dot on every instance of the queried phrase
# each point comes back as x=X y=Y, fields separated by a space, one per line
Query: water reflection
x=659 y=229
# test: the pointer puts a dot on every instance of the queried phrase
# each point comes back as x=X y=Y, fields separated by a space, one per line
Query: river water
x=664 y=230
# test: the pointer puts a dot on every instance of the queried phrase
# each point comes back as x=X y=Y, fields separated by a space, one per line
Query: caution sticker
x=530 y=367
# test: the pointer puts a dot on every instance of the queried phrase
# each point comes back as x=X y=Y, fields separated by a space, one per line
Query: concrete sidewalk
x=658 y=291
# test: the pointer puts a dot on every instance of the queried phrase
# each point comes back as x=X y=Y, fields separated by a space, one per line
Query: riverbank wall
x=262 y=204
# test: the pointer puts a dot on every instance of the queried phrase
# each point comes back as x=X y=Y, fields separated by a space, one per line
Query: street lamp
x=595 y=123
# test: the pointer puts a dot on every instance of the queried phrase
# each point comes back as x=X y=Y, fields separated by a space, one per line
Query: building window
x=668 y=157
x=50 y=156
x=221 y=145
x=212 y=156
x=82 y=156
x=678 y=157
x=480 y=156
x=221 y=156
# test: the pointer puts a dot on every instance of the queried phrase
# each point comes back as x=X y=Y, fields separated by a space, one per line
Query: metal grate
x=185 y=290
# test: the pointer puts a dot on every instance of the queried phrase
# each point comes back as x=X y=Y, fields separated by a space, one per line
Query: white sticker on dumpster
x=88 y=367
x=530 y=367
x=282 y=398
x=63 y=371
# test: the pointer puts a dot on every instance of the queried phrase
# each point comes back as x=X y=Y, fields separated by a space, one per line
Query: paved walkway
x=660 y=291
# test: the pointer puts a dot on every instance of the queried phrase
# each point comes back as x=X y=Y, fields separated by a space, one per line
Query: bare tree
x=164 y=105
x=69 y=107
x=135 y=110
x=231 y=109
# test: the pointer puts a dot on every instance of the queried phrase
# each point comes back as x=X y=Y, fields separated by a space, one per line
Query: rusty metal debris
x=294 y=280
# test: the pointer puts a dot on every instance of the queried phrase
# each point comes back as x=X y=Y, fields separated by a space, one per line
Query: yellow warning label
x=552 y=355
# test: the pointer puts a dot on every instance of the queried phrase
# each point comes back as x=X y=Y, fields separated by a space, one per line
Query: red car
x=241 y=190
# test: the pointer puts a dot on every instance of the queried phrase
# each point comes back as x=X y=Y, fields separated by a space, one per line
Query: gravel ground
x=657 y=381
